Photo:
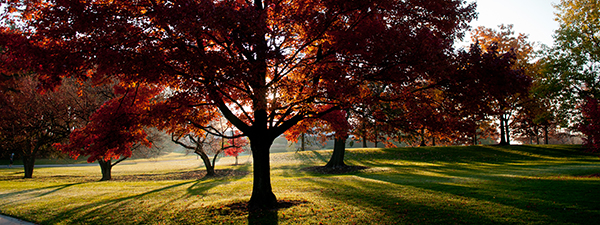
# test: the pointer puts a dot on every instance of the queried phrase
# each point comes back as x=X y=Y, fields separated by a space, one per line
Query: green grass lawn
x=431 y=185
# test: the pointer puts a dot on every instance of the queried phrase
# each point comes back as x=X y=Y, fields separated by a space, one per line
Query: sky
x=532 y=17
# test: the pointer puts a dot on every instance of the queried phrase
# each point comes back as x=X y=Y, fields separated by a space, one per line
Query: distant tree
x=572 y=64
x=332 y=125
x=487 y=84
x=450 y=109
x=203 y=145
x=504 y=41
x=115 y=129
x=236 y=146
x=30 y=121
x=161 y=144
x=535 y=117
x=590 y=126
x=221 y=139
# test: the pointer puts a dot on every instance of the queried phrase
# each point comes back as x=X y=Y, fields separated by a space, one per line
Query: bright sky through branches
x=532 y=17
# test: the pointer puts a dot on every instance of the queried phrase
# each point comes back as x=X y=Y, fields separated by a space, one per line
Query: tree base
x=338 y=165
x=264 y=201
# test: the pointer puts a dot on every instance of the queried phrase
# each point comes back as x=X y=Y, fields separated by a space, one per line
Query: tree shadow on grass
x=45 y=191
x=134 y=209
x=101 y=212
x=475 y=185
x=479 y=161
x=388 y=207
x=469 y=154
x=334 y=170
x=183 y=175
x=315 y=155
x=544 y=199
x=266 y=217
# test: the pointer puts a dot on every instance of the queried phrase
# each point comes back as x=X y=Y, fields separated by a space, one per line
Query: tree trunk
x=210 y=168
x=106 y=168
x=337 y=158
x=502 y=134
x=475 y=137
x=422 y=138
x=364 y=141
x=302 y=146
x=29 y=160
x=214 y=160
x=262 y=193
x=28 y=163
x=546 y=134
x=376 y=136
x=507 y=130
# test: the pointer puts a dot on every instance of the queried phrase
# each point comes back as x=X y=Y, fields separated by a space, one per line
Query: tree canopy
x=570 y=68
x=572 y=65
x=30 y=122
x=264 y=65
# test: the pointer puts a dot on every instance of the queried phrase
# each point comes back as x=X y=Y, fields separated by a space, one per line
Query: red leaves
x=590 y=126
x=338 y=123
x=334 y=121
x=288 y=58
x=115 y=127
x=305 y=53
x=236 y=145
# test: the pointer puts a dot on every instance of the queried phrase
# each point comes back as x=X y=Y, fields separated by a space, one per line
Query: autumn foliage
x=263 y=65
x=332 y=124
x=115 y=127
x=235 y=146
x=590 y=126
x=31 y=121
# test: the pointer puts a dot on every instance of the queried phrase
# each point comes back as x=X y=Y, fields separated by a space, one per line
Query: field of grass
x=430 y=185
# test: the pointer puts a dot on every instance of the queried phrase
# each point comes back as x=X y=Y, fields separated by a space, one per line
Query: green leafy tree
x=572 y=65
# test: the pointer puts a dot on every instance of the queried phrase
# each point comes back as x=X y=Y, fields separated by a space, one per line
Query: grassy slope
x=475 y=185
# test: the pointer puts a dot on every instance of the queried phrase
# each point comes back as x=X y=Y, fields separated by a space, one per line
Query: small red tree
x=114 y=129
x=235 y=146
x=590 y=126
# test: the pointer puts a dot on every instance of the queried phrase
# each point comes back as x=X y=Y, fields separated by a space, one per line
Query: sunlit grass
x=432 y=185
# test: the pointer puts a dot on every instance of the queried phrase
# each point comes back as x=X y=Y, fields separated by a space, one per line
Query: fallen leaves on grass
x=595 y=175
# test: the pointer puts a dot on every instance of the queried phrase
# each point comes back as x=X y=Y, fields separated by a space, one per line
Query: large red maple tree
x=264 y=65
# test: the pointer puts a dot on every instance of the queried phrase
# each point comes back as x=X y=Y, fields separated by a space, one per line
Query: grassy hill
x=430 y=185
